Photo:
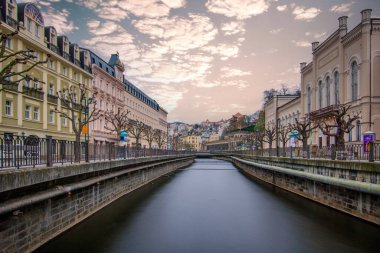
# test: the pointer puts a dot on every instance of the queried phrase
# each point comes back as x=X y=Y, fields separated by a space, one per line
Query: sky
x=204 y=59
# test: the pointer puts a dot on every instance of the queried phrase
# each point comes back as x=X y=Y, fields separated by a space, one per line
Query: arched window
x=358 y=130
x=354 y=80
x=309 y=99
x=320 y=94
x=336 y=87
x=328 y=91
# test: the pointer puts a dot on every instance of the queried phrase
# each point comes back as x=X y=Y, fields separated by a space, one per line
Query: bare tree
x=160 y=137
x=9 y=60
x=117 y=122
x=269 y=137
x=341 y=121
x=284 y=137
x=80 y=111
x=304 y=129
x=135 y=130
x=148 y=133
x=284 y=90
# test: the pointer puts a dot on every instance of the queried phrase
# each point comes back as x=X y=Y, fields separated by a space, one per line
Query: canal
x=212 y=207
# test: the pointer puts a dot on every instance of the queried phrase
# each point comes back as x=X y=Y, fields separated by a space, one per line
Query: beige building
x=344 y=70
x=193 y=141
x=284 y=108
x=115 y=93
x=29 y=109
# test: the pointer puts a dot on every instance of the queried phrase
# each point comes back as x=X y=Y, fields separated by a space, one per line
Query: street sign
x=84 y=129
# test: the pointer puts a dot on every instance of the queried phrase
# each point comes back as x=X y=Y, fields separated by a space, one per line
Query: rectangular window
x=8 y=43
x=8 y=108
x=36 y=113
x=27 y=83
x=10 y=11
x=51 y=64
x=51 y=89
x=75 y=76
x=51 y=117
x=64 y=70
x=37 y=30
x=27 y=112
x=28 y=24
x=63 y=121
x=35 y=86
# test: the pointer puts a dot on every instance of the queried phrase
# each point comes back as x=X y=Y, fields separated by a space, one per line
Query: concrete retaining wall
x=42 y=215
x=360 y=199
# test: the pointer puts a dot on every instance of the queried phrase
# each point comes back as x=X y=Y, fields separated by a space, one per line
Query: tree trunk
x=283 y=149
x=270 y=148
x=304 y=148
x=77 y=148
x=340 y=141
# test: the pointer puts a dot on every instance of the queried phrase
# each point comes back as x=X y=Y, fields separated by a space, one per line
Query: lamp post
x=86 y=103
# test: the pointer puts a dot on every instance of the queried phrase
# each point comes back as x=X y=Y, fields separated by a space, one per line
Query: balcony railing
x=10 y=87
x=33 y=92
x=76 y=106
x=11 y=22
x=324 y=112
x=53 y=48
x=66 y=56
x=52 y=99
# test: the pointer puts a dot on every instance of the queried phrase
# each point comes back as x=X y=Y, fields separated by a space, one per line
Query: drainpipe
x=370 y=76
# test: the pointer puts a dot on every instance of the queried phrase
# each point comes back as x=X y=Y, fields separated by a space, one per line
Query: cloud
x=228 y=72
x=315 y=35
x=179 y=33
x=233 y=27
x=225 y=51
x=60 y=20
x=341 y=8
x=275 y=31
x=301 y=43
x=102 y=28
x=282 y=7
x=174 y=3
x=168 y=96
x=301 y=13
x=240 y=9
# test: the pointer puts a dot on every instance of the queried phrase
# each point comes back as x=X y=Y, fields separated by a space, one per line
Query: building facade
x=113 y=92
x=29 y=108
x=344 y=70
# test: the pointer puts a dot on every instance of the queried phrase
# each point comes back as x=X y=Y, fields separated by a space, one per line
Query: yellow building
x=193 y=141
x=29 y=109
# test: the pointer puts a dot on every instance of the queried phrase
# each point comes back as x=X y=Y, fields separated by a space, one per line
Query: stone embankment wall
x=62 y=197
x=350 y=187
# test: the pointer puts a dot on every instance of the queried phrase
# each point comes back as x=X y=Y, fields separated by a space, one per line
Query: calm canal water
x=212 y=207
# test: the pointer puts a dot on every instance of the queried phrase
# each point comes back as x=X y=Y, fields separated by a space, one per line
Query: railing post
x=49 y=148
x=109 y=151
x=371 y=152
x=125 y=152
x=86 y=152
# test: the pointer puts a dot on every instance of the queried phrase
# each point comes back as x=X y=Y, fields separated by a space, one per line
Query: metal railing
x=332 y=152
x=21 y=151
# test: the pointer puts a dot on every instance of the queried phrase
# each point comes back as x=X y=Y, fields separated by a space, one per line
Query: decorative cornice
x=327 y=42
x=352 y=35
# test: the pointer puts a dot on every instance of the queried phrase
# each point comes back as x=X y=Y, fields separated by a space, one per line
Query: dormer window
x=10 y=10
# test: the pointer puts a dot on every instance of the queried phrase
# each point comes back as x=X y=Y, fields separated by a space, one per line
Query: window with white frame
x=309 y=99
x=36 y=113
x=27 y=82
x=63 y=121
x=354 y=80
x=328 y=91
x=320 y=94
x=35 y=84
x=8 y=43
x=27 y=111
x=64 y=70
x=51 y=117
x=8 y=108
x=37 y=30
x=28 y=24
x=51 y=89
x=358 y=130
x=336 y=87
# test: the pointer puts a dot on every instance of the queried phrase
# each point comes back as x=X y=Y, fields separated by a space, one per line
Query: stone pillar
x=342 y=25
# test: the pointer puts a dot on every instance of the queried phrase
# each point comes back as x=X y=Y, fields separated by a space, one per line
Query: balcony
x=11 y=22
x=11 y=87
x=33 y=93
x=66 y=56
x=324 y=112
x=77 y=62
x=53 y=48
x=76 y=106
x=52 y=99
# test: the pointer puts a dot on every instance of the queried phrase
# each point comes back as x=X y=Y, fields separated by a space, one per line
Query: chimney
x=314 y=45
x=302 y=65
x=342 y=25
x=366 y=16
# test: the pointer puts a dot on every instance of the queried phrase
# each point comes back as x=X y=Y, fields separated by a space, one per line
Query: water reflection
x=212 y=207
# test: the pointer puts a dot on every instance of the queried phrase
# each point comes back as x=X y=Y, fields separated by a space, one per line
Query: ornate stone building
x=29 y=108
x=344 y=70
